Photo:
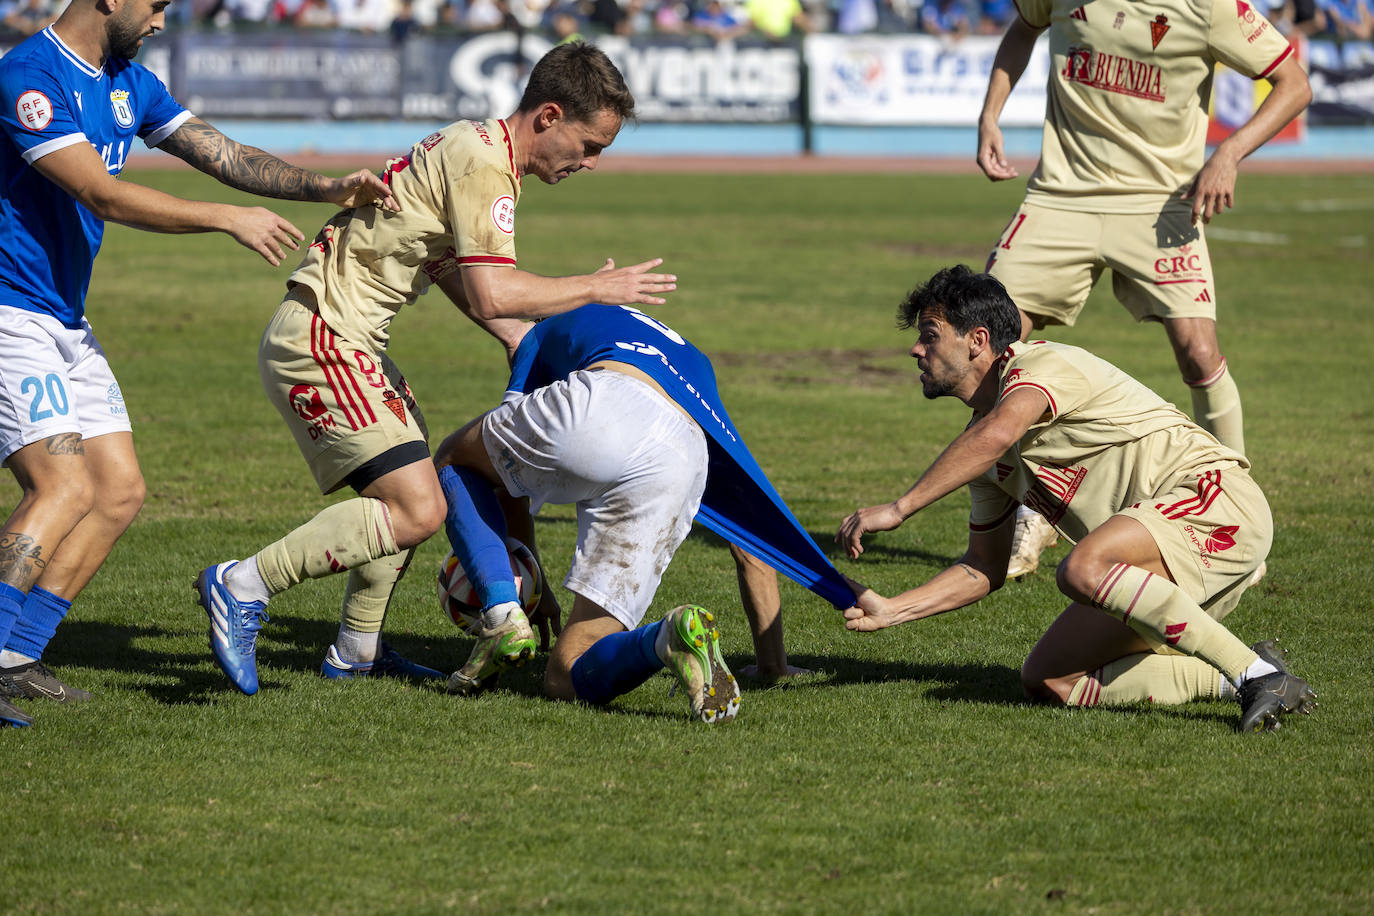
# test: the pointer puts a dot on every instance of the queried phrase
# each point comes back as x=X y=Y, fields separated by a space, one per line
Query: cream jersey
x=1104 y=443
x=457 y=190
x=1126 y=115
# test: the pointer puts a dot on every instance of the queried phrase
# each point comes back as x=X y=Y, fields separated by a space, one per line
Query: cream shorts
x=53 y=380
x=634 y=465
x=1213 y=532
x=1050 y=259
x=348 y=406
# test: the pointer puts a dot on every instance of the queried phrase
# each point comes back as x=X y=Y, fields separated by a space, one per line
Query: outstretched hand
x=359 y=188
x=874 y=518
x=631 y=285
x=263 y=231
x=871 y=611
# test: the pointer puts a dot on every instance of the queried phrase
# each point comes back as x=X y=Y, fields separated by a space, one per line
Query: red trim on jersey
x=994 y=525
x=486 y=259
x=1054 y=411
x=510 y=148
x=1280 y=59
x=1211 y=379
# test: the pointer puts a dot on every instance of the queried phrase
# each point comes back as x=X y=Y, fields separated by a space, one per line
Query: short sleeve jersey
x=1104 y=443
x=1129 y=84
x=457 y=190
x=51 y=99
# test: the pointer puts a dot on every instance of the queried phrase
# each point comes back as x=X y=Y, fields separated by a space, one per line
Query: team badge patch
x=33 y=110
x=395 y=405
x=503 y=214
x=123 y=111
x=1158 y=27
x=1252 y=25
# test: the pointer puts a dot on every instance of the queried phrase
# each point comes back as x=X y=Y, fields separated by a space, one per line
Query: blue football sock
x=11 y=606
x=616 y=664
x=37 y=623
x=476 y=529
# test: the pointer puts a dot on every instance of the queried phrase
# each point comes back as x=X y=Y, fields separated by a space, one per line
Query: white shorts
x=631 y=461
x=53 y=380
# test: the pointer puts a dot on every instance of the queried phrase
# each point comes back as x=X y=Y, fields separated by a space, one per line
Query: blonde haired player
x=1167 y=523
x=323 y=362
x=1122 y=183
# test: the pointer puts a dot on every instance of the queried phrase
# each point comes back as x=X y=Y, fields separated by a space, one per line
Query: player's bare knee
x=121 y=504
x=1079 y=573
x=1039 y=686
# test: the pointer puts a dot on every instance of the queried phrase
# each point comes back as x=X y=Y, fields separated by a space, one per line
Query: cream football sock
x=343 y=536
x=1216 y=408
x=366 y=599
x=1155 y=607
x=1147 y=677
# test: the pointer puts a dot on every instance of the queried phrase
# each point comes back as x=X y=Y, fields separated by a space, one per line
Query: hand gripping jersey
x=1128 y=91
x=1105 y=442
x=457 y=189
x=51 y=99
x=739 y=504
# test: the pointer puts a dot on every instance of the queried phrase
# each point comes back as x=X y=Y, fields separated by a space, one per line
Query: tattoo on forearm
x=21 y=560
x=66 y=444
x=246 y=168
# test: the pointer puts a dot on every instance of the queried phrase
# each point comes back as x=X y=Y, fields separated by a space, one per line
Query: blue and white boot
x=234 y=626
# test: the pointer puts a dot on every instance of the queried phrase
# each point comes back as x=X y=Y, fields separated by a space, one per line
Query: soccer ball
x=459 y=600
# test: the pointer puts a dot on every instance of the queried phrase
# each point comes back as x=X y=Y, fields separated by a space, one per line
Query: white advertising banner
x=916 y=79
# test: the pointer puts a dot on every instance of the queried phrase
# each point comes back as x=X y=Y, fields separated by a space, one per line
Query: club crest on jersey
x=503 y=214
x=395 y=405
x=123 y=111
x=33 y=110
x=1158 y=27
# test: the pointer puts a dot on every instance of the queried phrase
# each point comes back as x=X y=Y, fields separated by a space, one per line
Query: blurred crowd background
x=721 y=20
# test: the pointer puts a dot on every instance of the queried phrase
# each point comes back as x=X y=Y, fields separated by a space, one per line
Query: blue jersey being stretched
x=49 y=99
x=739 y=503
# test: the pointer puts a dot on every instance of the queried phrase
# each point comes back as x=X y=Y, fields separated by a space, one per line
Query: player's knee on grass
x=1041 y=687
x=1080 y=572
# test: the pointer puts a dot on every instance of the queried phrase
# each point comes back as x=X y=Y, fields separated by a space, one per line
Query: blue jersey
x=739 y=503
x=49 y=99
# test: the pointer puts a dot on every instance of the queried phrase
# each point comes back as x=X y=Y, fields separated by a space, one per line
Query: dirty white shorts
x=631 y=461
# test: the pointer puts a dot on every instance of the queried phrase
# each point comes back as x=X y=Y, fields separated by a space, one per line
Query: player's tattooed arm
x=247 y=168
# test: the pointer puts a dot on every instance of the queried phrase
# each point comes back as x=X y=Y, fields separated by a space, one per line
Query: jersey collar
x=92 y=72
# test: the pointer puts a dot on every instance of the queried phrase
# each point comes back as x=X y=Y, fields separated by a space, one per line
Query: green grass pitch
x=907 y=776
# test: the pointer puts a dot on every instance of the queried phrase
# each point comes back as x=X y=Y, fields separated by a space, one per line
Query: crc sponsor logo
x=33 y=110
x=1113 y=73
x=1179 y=264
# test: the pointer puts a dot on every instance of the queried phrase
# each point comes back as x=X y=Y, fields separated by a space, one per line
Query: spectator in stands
x=778 y=18
x=485 y=15
x=1350 y=20
x=1296 y=17
x=995 y=15
x=363 y=15
x=565 y=23
x=945 y=17
x=315 y=14
x=403 y=22
x=719 y=22
x=670 y=17
x=24 y=17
